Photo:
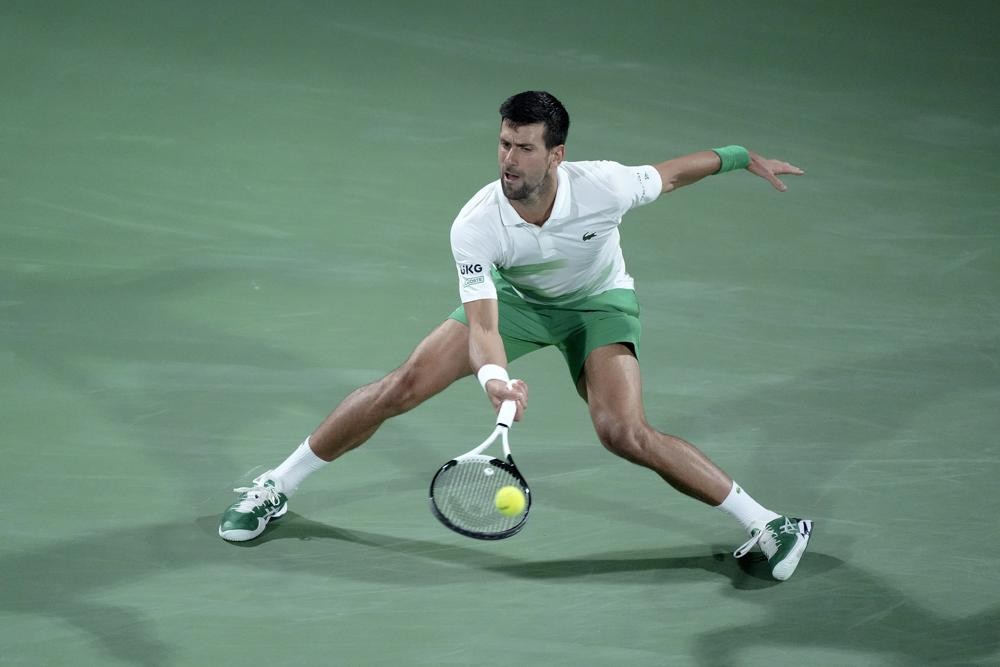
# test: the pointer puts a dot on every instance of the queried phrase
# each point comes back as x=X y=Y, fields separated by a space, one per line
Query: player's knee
x=622 y=438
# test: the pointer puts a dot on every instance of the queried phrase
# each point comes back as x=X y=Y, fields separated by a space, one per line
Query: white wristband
x=492 y=372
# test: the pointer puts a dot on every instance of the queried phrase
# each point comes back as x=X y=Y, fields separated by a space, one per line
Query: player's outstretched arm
x=689 y=169
x=488 y=357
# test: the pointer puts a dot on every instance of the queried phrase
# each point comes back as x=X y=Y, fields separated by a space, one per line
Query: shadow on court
x=829 y=603
x=624 y=567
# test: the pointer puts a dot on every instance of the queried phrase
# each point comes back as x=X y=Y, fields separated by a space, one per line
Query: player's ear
x=558 y=154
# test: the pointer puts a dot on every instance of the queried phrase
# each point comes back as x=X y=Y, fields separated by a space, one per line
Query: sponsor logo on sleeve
x=470 y=269
x=471 y=274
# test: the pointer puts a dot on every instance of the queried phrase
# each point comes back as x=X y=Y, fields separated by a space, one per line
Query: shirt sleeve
x=633 y=186
x=475 y=251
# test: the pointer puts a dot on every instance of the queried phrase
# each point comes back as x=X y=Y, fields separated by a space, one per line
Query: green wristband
x=733 y=157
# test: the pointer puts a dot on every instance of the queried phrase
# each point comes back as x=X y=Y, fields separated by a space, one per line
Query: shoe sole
x=247 y=535
x=783 y=570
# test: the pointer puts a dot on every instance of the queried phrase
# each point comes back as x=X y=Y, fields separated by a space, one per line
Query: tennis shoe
x=258 y=504
x=783 y=541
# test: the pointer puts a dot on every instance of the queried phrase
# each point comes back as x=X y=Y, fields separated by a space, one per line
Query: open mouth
x=510 y=177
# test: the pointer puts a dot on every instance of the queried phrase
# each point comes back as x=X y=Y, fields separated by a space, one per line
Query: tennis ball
x=510 y=501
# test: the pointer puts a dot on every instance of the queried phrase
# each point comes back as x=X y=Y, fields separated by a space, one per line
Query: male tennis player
x=539 y=263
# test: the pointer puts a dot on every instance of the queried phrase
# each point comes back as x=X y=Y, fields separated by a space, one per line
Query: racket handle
x=506 y=415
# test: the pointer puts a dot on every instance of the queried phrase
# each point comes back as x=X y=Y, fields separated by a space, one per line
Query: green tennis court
x=217 y=219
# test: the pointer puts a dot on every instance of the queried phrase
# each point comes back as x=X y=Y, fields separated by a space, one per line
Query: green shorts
x=577 y=329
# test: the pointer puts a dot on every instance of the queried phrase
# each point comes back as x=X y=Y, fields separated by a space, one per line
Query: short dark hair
x=537 y=106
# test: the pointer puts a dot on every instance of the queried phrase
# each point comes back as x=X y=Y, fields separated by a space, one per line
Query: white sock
x=739 y=505
x=302 y=463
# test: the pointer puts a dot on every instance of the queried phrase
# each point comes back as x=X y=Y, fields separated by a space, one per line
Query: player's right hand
x=516 y=390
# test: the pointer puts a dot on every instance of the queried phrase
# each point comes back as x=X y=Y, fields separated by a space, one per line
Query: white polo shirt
x=574 y=255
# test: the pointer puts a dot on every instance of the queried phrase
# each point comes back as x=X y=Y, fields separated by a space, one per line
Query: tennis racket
x=463 y=491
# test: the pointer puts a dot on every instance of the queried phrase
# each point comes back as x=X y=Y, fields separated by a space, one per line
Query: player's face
x=527 y=168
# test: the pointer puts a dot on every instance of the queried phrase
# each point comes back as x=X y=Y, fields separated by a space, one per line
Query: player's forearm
x=688 y=169
x=485 y=347
x=485 y=344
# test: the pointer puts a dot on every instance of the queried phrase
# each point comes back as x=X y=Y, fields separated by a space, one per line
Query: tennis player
x=539 y=263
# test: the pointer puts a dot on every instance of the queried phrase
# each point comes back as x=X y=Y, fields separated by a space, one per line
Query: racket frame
x=505 y=417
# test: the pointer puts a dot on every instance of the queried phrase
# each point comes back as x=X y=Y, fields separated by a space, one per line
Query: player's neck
x=536 y=210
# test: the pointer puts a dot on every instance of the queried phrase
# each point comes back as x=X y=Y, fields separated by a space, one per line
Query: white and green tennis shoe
x=258 y=504
x=783 y=541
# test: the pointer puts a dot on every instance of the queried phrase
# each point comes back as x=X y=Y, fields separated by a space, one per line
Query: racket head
x=463 y=496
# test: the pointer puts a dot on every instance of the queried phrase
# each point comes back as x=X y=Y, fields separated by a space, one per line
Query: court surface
x=217 y=219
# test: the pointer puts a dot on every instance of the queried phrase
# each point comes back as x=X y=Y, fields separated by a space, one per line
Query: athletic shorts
x=577 y=329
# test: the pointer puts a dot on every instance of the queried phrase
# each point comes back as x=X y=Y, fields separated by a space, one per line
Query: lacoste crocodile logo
x=589 y=235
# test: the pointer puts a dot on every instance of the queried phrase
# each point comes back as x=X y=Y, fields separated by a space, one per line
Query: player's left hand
x=770 y=169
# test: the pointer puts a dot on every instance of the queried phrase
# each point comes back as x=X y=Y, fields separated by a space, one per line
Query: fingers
x=760 y=168
x=787 y=168
x=519 y=386
x=775 y=181
x=777 y=167
x=520 y=389
x=515 y=390
x=768 y=169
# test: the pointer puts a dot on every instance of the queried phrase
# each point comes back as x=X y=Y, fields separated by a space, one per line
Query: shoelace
x=752 y=542
x=767 y=532
x=256 y=495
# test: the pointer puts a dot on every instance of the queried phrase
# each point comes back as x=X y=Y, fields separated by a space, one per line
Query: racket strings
x=465 y=495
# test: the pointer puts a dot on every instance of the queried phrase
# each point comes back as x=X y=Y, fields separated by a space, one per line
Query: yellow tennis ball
x=510 y=501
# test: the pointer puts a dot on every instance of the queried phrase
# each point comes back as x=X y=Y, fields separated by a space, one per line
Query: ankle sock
x=739 y=505
x=299 y=465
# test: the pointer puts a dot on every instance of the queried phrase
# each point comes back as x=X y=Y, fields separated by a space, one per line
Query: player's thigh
x=611 y=384
x=440 y=359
